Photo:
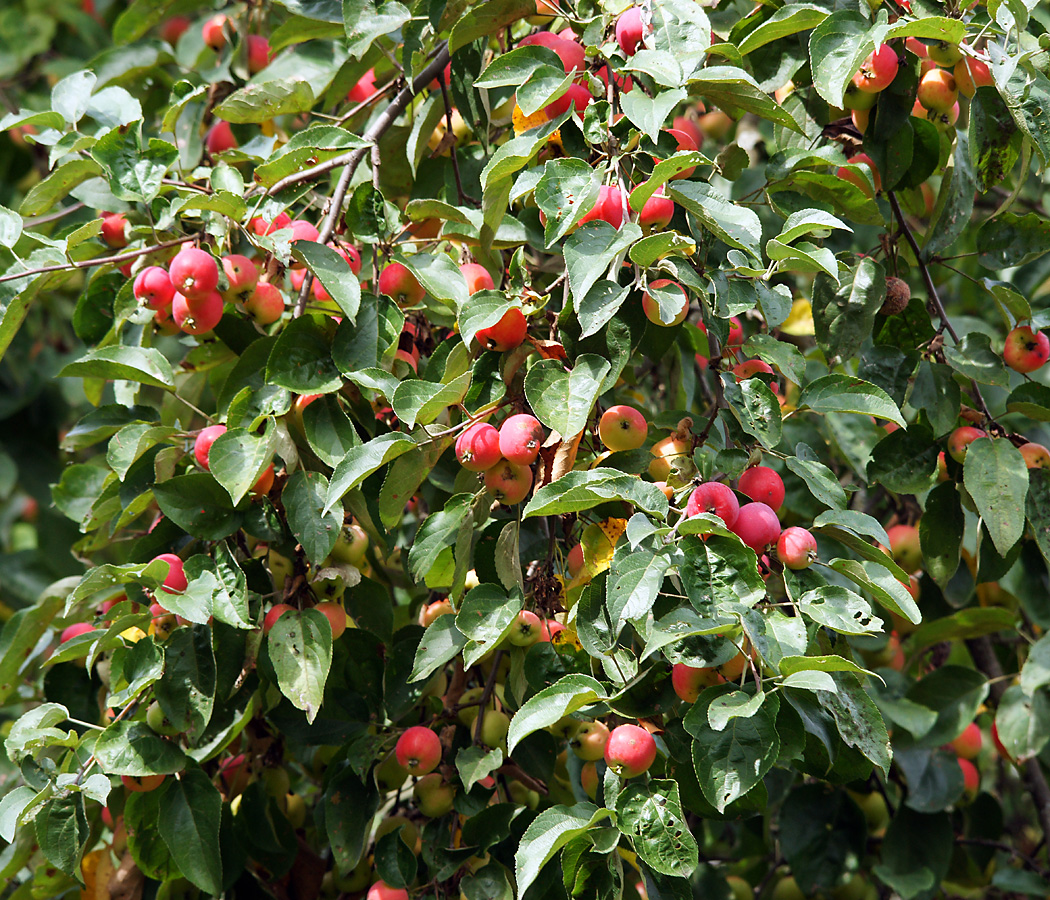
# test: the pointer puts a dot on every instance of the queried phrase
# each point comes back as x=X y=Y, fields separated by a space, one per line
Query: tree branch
x=97 y=261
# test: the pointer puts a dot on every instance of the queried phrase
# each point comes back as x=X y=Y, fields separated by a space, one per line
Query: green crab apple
x=351 y=546
x=944 y=53
x=159 y=722
x=622 y=428
x=434 y=796
x=630 y=750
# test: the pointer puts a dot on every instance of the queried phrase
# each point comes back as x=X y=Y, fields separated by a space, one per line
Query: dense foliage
x=524 y=448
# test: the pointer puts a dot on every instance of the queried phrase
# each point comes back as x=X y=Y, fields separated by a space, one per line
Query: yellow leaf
x=800 y=320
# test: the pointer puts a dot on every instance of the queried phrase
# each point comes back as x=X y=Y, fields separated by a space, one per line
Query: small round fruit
x=508 y=482
x=175 y=581
x=197 y=316
x=434 y=797
x=194 y=273
x=142 y=784
x=968 y=744
x=265 y=304
x=607 y=208
x=971 y=777
x=905 y=548
x=431 y=612
x=1026 y=350
x=115 y=230
x=477 y=276
x=944 y=53
x=153 y=287
x=689 y=681
x=494 y=728
x=72 y=631
x=590 y=740
x=383 y=891
x=520 y=438
x=971 y=74
x=1036 y=456
x=938 y=90
x=898 y=296
x=220 y=138
x=259 y=54
x=418 y=750
x=526 y=629
x=477 y=448
x=859 y=180
x=787 y=889
x=574 y=560
x=202 y=445
x=158 y=722
x=398 y=283
x=652 y=310
x=365 y=88
x=763 y=484
x=796 y=548
x=757 y=526
x=242 y=275
x=214 y=32
x=336 y=616
x=714 y=497
x=960 y=440
x=622 y=428
x=589 y=779
x=630 y=30
x=630 y=751
x=749 y=368
x=657 y=212
x=275 y=612
x=877 y=72
x=506 y=334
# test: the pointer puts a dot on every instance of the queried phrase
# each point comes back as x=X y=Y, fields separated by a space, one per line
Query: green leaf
x=303 y=497
x=188 y=821
x=736 y=226
x=551 y=830
x=790 y=665
x=46 y=193
x=1030 y=399
x=652 y=814
x=131 y=748
x=962 y=625
x=36 y=729
x=143 y=365
x=334 y=274
x=837 y=47
x=878 y=581
x=839 y=609
x=953 y=692
x=350 y=804
x=485 y=309
x=474 y=763
x=731 y=88
x=62 y=831
x=487 y=18
x=591 y=249
x=821 y=832
x=301 y=359
x=937 y=393
x=649 y=114
x=579 y=490
x=566 y=192
x=485 y=617
x=857 y=719
x=255 y=103
x=736 y=704
x=843 y=393
x=71 y=96
x=974 y=357
x=906 y=461
x=995 y=476
x=198 y=505
x=916 y=854
x=941 y=532
x=844 y=308
x=1023 y=722
x=635 y=579
x=720 y=575
x=820 y=480
x=729 y=763
x=139 y=17
x=420 y=402
x=300 y=648
x=239 y=457
x=1035 y=673
x=783 y=23
x=440 y=277
x=134 y=171
x=362 y=461
x=440 y=643
x=186 y=691
x=563 y=400
x=544 y=708
x=1037 y=507
x=755 y=407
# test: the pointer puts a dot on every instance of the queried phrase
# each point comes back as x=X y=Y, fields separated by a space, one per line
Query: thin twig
x=463 y=198
x=52 y=217
x=486 y=695
x=97 y=261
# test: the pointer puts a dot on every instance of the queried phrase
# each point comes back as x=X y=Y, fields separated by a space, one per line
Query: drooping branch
x=97 y=261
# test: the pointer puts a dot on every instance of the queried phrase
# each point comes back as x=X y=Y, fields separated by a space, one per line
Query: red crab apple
x=968 y=744
x=506 y=334
x=858 y=179
x=749 y=368
x=242 y=275
x=622 y=428
x=258 y=53
x=877 y=71
x=550 y=628
x=383 y=891
x=971 y=777
x=756 y=525
x=763 y=484
x=365 y=88
x=904 y=547
x=971 y=74
x=1026 y=350
x=418 y=750
x=574 y=560
x=477 y=277
x=265 y=304
x=938 y=90
x=194 y=273
x=630 y=751
x=657 y=212
x=258 y=225
x=174 y=28
x=275 y=612
x=197 y=316
x=1036 y=456
x=689 y=681
x=576 y=95
x=520 y=437
x=589 y=741
x=508 y=482
x=630 y=30
x=651 y=307
x=570 y=52
x=714 y=497
x=114 y=230
x=336 y=616
x=398 y=283
x=262 y=487
x=796 y=548
x=220 y=138
x=71 y=631
x=153 y=287
x=431 y=612
x=608 y=207
x=685 y=141
x=304 y=231
x=214 y=32
x=526 y=629
x=477 y=448
x=141 y=784
x=960 y=440
x=202 y=445
x=175 y=581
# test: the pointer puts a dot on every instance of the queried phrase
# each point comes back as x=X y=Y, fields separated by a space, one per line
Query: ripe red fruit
x=114 y=230
x=418 y=750
x=652 y=309
x=175 y=581
x=858 y=179
x=960 y=440
x=549 y=629
x=576 y=95
x=968 y=744
x=608 y=207
x=904 y=547
x=275 y=612
x=398 y=283
x=569 y=51
x=141 y=784
x=971 y=777
x=153 y=287
x=630 y=30
x=526 y=630
x=262 y=487
x=220 y=138
x=174 y=28
x=202 y=445
x=197 y=316
x=336 y=616
x=630 y=751
x=258 y=225
x=382 y=891
x=796 y=548
x=1036 y=456
x=971 y=74
x=71 y=631
x=657 y=212
x=477 y=448
x=506 y=334
x=574 y=560
x=749 y=368
x=622 y=428
x=685 y=141
x=433 y=611
x=520 y=437
x=938 y=90
x=365 y=88
x=477 y=276
x=877 y=71
x=1026 y=350
x=689 y=681
x=265 y=304
x=214 y=32
x=508 y=482
x=757 y=526
x=714 y=497
x=258 y=53
x=242 y=275
x=194 y=273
